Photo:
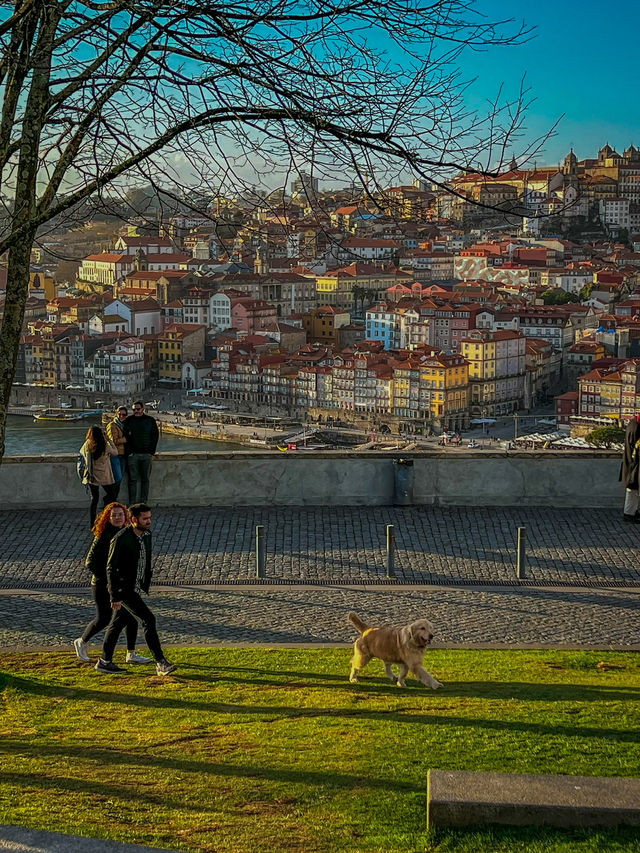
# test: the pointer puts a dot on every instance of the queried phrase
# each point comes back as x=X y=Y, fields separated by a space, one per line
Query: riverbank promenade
x=455 y=565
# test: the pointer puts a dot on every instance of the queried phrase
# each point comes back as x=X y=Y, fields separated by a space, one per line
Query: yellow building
x=434 y=388
x=480 y=352
x=40 y=283
x=497 y=368
x=337 y=287
x=178 y=343
x=446 y=378
x=323 y=324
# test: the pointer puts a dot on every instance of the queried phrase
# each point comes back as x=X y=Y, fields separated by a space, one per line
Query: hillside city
x=426 y=308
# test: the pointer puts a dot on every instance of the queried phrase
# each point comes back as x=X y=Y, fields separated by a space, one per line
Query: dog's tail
x=357 y=622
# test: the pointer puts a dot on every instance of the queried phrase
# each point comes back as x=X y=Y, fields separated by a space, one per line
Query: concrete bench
x=457 y=798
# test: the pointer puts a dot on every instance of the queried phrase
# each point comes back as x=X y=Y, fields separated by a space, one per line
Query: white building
x=143 y=316
x=368 y=249
x=220 y=311
x=119 y=367
x=614 y=212
x=107 y=268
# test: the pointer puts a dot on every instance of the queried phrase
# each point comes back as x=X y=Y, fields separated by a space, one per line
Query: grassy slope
x=258 y=750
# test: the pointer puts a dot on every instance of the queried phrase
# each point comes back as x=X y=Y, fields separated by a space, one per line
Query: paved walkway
x=337 y=545
x=454 y=565
x=17 y=839
x=291 y=615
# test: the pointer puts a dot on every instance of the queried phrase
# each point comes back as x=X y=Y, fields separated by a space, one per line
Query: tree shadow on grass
x=407 y=715
x=30 y=782
x=121 y=758
x=526 y=691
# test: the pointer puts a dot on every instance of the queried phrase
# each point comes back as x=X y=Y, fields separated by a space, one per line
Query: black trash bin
x=402 y=482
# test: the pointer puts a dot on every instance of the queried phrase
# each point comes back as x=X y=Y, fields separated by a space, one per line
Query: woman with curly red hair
x=111 y=520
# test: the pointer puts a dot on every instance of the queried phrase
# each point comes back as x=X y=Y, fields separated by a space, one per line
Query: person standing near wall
x=115 y=431
x=95 y=456
x=141 y=434
x=111 y=520
x=128 y=575
x=630 y=468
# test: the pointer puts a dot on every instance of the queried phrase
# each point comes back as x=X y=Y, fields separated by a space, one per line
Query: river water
x=26 y=437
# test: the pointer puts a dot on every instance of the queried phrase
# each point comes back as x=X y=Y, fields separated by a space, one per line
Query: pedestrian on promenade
x=630 y=468
x=96 y=453
x=111 y=520
x=128 y=575
x=141 y=434
x=115 y=431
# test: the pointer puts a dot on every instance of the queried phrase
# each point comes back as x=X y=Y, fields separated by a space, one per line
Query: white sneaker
x=165 y=668
x=81 y=650
x=134 y=657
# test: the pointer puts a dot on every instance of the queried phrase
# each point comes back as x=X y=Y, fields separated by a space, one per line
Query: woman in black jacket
x=111 y=520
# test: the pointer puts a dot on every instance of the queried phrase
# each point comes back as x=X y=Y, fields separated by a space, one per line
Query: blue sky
x=583 y=62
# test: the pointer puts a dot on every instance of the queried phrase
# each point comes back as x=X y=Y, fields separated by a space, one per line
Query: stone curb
x=463 y=798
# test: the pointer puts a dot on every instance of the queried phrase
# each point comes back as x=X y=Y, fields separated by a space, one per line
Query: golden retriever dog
x=404 y=646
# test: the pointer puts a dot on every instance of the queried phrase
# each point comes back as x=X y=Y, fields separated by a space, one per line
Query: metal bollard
x=521 y=564
x=391 y=546
x=260 y=551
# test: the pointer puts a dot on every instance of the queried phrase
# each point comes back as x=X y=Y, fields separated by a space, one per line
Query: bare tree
x=211 y=94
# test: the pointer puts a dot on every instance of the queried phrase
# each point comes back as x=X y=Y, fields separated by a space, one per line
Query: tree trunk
x=16 y=296
x=24 y=209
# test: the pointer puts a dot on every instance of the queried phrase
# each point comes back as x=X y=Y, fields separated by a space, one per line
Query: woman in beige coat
x=115 y=432
x=96 y=453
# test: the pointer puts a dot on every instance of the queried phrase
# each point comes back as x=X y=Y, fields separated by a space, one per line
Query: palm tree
x=370 y=296
x=358 y=293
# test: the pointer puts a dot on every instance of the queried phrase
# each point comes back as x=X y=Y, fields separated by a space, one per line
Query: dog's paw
x=353 y=679
x=400 y=683
x=436 y=684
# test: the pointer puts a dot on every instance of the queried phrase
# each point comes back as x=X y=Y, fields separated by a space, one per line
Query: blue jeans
x=118 y=466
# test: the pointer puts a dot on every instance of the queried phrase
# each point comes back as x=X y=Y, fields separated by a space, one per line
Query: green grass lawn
x=273 y=750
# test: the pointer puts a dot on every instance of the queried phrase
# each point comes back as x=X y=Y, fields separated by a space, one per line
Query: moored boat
x=66 y=415
x=54 y=415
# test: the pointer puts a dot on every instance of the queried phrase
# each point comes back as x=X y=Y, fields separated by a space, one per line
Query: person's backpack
x=84 y=470
x=81 y=467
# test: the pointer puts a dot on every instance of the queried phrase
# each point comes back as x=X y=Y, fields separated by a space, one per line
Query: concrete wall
x=257 y=478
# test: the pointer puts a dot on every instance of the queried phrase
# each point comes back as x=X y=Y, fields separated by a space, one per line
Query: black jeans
x=139 y=471
x=133 y=605
x=110 y=493
x=104 y=614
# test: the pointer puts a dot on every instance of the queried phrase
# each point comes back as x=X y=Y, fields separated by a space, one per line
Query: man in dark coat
x=129 y=575
x=630 y=468
x=141 y=434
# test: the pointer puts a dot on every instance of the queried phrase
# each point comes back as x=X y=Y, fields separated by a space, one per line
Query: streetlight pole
x=515 y=425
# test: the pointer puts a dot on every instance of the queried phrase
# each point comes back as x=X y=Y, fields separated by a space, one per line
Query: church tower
x=570 y=168
x=140 y=262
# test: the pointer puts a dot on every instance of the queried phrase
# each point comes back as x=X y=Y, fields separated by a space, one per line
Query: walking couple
x=120 y=562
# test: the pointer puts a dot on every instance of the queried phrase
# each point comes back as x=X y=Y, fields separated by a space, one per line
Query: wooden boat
x=55 y=415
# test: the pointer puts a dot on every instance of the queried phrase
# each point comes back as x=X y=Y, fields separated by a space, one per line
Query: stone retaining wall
x=257 y=478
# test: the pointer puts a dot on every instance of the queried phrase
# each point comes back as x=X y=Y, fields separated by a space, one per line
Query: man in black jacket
x=630 y=468
x=141 y=433
x=129 y=574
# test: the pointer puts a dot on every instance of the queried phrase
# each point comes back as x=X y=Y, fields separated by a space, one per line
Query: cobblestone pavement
x=291 y=614
x=338 y=545
x=583 y=587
